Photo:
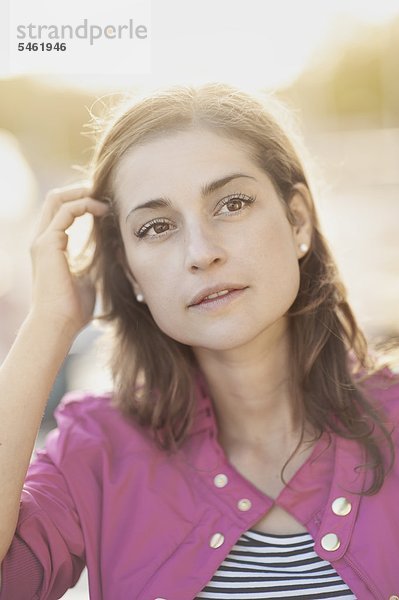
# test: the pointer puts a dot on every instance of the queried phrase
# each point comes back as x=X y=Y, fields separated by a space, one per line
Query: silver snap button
x=330 y=542
x=220 y=480
x=216 y=540
x=341 y=506
x=244 y=504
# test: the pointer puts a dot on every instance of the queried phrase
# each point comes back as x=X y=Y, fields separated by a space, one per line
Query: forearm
x=26 y=379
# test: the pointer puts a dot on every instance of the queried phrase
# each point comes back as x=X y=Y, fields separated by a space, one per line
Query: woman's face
x=237 y=234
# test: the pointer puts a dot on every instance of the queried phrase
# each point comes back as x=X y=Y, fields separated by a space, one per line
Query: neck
x=250 y=387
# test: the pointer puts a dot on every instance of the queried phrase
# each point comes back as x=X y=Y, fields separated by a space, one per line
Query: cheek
x=167 y=311
x=157 y=281
x=276 y=260
x=270 y=239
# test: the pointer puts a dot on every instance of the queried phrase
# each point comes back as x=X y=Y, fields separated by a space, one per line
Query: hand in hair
x=58 y=295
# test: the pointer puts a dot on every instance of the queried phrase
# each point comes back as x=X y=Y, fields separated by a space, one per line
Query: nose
x=203 y=247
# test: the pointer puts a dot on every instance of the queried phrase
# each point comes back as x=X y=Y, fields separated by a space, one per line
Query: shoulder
x=86 y=407
x=382 y=388
x=90 y=423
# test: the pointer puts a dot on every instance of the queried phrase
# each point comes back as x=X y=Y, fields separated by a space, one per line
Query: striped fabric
x=270 y=567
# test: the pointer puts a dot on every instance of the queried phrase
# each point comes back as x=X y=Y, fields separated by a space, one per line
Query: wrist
x=52 y=326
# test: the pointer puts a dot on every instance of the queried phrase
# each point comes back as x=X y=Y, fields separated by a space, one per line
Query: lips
x=198 y=298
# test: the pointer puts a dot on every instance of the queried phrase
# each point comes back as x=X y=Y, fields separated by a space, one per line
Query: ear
x=300 y=204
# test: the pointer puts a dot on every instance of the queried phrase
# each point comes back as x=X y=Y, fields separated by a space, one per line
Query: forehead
x=183 y=160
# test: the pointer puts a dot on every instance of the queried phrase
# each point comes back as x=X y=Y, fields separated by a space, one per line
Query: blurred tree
x=354 y=83
x=47 y=121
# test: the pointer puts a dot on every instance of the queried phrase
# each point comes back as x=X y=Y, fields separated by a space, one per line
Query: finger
x=55 y=198
x=66 y=215
x=69 y=211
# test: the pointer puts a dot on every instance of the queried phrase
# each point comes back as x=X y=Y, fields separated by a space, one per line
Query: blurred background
x=334 y=64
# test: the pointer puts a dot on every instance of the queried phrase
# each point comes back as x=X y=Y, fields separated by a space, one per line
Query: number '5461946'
x=46 y=47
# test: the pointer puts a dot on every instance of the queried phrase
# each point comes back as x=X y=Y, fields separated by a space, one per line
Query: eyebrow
x=206 y=190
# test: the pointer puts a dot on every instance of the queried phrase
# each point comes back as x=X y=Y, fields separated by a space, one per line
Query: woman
x=247 y=449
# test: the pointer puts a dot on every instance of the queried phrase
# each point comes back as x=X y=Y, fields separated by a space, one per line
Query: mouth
x=218 y=299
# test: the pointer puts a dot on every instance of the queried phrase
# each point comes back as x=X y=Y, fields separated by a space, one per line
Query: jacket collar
x=331 y=472
x=348 y=482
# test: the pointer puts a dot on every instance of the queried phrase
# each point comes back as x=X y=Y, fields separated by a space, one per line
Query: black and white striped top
x=269 y=567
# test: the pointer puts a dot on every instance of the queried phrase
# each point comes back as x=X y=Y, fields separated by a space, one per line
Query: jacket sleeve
x=47 y=554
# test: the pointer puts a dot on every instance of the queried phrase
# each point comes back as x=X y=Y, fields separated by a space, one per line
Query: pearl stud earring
x=139 y=297
x=303 y=247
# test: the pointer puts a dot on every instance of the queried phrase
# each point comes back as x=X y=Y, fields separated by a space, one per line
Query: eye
x=236 y=200
x=231 y=205
x=158 y=225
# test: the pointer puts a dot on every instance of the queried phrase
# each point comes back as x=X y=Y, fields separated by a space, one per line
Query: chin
x=224 y=341
x=221 y=335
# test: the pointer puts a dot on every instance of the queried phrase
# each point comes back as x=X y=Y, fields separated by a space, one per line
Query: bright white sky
x=256 y=43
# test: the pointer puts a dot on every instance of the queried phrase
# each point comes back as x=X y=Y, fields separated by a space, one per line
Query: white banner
x=79 y=36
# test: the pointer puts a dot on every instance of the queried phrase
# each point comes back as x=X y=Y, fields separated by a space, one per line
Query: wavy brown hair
x=152 y=373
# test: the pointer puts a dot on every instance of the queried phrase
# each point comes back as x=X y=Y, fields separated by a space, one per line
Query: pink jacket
x=156 y=527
